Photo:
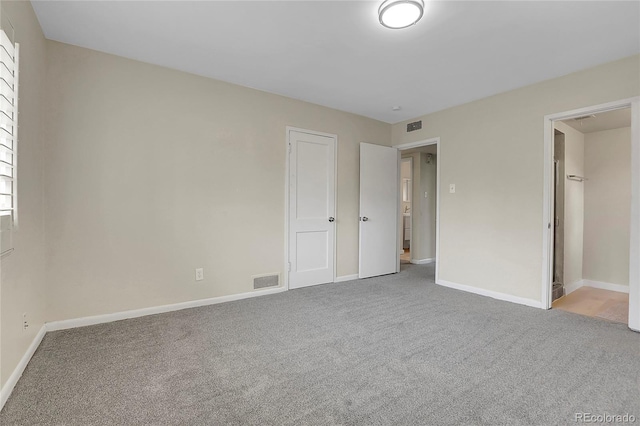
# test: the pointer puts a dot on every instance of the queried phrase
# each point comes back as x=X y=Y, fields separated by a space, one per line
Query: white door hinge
x=289 y=266
x=289 y=148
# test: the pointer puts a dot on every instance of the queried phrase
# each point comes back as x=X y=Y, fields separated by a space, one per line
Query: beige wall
x=492 y=149
x=22 y=272
x=427 y=210
x=416 y=224
x=607 y=198
x=573 y=203
x=151 y=173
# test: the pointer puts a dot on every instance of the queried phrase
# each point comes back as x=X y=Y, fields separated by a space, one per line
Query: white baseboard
x=607 y=286
x=100 y=319
x=346 y=278
x=493 y=294
x=6 y=390
x=570 y=288
x=423 y=261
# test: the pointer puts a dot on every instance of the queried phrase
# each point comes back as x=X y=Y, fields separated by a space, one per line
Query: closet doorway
x=593 y=215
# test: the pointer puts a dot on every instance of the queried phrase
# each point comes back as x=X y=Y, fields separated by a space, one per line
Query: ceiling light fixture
x=397 y=14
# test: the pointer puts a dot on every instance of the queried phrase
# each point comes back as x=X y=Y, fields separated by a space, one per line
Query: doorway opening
x=593 y=218
x=406 y=182
x=592 y=214
x=419 y=203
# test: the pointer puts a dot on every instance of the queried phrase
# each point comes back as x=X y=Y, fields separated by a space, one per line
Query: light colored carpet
x=618 y=312
x=390 y=350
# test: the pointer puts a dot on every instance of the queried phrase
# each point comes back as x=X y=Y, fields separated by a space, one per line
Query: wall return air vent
x=263 y=281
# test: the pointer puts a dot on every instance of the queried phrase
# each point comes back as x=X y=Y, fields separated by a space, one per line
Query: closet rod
x=577 y=178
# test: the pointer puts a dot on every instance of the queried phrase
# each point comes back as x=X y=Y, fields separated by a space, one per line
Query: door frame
x=404 y=147
x=287 y=265
x=549 y=194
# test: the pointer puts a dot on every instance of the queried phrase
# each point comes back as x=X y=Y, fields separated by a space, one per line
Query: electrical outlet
x=25 y=322
x=425 y=195
x=452 y=188
x=199 y=274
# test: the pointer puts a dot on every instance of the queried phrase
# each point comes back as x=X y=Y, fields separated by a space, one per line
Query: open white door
x=312 y=206
x=378 y=210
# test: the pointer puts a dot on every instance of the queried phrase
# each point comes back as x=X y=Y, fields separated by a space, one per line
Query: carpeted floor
x=389 y=350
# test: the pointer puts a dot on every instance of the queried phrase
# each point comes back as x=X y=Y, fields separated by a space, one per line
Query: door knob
x=331 y=219
x=364 y=218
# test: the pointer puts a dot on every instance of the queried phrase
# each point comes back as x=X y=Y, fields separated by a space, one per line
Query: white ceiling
x=335 y=53
x=604 y=121
x=429 y=149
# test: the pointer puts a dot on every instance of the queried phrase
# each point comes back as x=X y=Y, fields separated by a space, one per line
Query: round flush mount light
x=397 y=14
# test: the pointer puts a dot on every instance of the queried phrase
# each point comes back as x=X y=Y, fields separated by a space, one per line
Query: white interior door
x=378 y=210
x=312 y=166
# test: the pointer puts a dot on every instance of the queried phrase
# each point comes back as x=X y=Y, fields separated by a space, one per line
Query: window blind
x=8 y=135
x=8 y=124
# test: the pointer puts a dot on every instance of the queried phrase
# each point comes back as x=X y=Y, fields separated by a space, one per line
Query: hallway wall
x=493 y=150
x=607 y=205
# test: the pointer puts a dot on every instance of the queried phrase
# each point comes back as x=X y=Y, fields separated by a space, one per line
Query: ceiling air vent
x=416 y=125
x=584 y=117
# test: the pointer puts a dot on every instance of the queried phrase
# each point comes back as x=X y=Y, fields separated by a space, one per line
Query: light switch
x=425 y=195
x=452 y=188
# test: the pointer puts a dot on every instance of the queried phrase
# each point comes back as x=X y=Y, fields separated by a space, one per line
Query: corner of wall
x=22 y=278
